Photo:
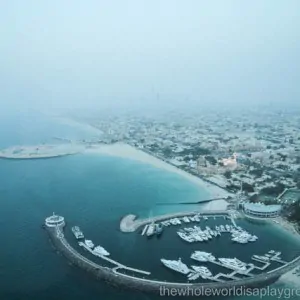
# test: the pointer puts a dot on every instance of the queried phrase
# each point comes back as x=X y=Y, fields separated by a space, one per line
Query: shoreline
x=130 y=152
x=121 y=150
x=285 y=227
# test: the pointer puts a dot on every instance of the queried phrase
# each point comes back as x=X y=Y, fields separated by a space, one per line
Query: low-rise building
x=261 y=210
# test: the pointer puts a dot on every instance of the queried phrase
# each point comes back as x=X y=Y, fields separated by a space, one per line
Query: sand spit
x=40 y=151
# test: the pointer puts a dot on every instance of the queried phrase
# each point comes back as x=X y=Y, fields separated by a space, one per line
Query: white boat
x=186 y=237
x=151 y=229
x=202 y=256
x=263 y=258
x=205 y=218
x=193 y=276
x=77 y=232
x=204 y=236
x=186 y=219
x=253 y=238
x=176 y=265
x=207 y=234
x=196 y=218
x=234 y=263
x=197 y=237
x=89 y=243
x=101 y=251
x=203 y=271
x=173 y=222
x=188 y=229
x=240 y=240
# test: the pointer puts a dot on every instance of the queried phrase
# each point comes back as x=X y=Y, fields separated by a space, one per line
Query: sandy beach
x=290 y=279
x=282 y=224
x=129 y=152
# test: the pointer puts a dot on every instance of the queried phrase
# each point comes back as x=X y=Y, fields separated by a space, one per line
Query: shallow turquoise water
x=93 y=192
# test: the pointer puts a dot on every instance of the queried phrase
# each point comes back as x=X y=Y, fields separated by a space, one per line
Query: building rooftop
x=260 y=207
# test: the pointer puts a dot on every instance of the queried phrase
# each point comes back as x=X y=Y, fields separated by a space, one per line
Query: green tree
x=211 y=159
x=248 y=187
x=228 y=174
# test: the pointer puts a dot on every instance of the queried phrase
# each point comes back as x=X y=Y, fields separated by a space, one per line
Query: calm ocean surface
x=94 y=192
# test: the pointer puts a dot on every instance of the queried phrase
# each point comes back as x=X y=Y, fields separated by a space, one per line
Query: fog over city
x=88 y=55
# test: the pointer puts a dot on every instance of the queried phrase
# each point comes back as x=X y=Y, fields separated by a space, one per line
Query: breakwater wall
x=112 y=276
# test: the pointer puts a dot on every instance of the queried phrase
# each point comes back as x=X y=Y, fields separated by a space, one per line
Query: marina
x=241 y=273
x=198 y=234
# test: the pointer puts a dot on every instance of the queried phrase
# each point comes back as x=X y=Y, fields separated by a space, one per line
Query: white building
x=261 y=210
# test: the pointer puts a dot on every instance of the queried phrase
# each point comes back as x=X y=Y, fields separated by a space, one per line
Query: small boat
x=89 y=244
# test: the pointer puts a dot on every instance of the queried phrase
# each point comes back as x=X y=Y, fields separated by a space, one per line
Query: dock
x=118 y=265
x=233 y=221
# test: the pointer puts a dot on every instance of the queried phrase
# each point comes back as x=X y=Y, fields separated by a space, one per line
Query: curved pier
x=114 y=277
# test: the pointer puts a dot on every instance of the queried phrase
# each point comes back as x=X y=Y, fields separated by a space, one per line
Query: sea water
x=94 y=192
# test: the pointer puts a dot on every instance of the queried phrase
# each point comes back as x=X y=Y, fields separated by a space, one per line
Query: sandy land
x=127 y=151
x=285 y=225
x=40 y=151
x=290 y=279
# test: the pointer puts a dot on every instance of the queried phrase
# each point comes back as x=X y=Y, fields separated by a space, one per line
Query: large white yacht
x=203 y=271
x=233 y=263
x=202 y=256
x=101 y=251
x=176 y=265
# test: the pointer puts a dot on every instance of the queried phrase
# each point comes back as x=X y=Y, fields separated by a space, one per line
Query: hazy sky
x=87 y=54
